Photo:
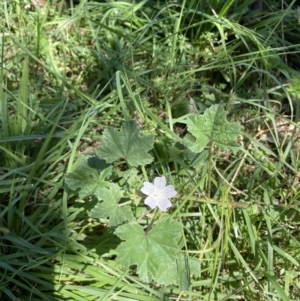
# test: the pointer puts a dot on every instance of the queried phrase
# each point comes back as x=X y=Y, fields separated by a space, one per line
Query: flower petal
x=148 y=188
x=164 y=204
x=160 y=182
x=169 y=191
x=151 y=202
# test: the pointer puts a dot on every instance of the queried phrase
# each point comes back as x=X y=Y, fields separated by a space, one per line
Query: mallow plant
x=151 y=235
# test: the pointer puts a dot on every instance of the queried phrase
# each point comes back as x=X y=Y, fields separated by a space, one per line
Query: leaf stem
x=152 y=221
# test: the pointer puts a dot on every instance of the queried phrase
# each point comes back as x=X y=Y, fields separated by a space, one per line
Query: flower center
x=158 y=194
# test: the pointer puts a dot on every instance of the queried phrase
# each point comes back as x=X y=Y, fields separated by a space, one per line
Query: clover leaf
x=212 y=127
x=154 y=252
x=126 y=143
x=110 y=207
x=90 y=177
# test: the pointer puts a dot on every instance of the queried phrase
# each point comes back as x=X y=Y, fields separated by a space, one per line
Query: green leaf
x=154 y=252
x=127 y=144
x=94 y=162
x=188 y=267
x=90 y=178
x=110 y=207
x=212 y=127
x=183 y=272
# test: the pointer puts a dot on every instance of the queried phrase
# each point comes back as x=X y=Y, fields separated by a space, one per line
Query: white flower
x=158 y=194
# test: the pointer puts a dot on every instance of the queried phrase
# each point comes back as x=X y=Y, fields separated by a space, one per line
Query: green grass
x=68 y=75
